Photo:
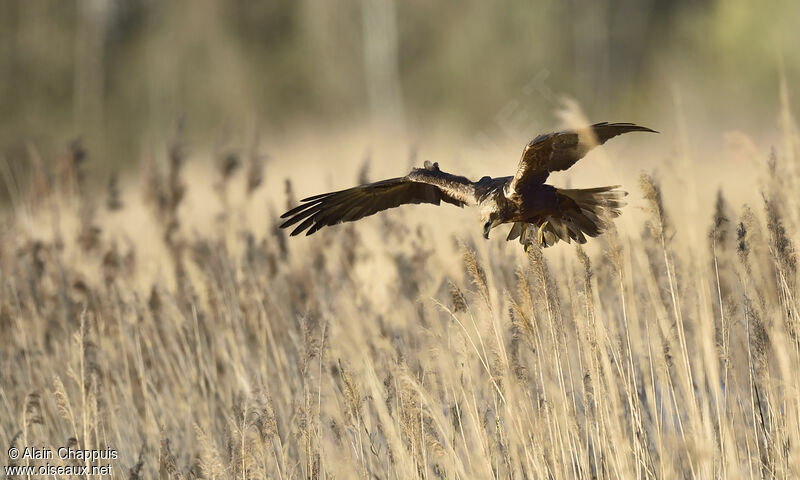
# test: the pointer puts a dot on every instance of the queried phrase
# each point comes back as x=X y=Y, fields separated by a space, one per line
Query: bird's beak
x=486 y=228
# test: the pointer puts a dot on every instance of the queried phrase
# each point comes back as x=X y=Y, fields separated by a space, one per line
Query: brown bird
x=541 y=213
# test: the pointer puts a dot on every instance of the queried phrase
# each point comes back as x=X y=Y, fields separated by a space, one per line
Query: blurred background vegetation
x=118 y=73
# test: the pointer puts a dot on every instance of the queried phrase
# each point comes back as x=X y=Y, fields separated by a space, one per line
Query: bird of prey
x=540 y=213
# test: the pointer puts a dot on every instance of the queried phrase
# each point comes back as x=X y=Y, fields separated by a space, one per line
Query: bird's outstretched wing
x=551 y=152
x=422 y=185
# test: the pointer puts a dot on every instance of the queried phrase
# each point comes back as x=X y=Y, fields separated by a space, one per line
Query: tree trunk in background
x=92 y=19
x=381 y=67
x=592 y=54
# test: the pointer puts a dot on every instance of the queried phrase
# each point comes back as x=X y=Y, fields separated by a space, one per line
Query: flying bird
x=540 y=213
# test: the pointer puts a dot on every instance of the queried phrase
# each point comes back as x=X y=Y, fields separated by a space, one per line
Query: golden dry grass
x=170 y=320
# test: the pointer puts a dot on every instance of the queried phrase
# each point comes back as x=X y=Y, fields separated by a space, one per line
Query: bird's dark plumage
x=557 y=151
x=422 y=185
x=540 y=213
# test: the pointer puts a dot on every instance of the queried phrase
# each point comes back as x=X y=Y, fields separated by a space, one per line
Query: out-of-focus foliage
x=119 y=72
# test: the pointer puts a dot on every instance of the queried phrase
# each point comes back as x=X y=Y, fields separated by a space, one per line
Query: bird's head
x=490 y=219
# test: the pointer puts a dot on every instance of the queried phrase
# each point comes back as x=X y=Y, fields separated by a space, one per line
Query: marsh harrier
x=540 y=213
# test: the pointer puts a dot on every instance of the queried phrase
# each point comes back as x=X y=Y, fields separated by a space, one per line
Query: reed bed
x=244 y=354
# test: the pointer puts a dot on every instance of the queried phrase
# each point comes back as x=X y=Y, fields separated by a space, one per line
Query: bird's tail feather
x=581 y=213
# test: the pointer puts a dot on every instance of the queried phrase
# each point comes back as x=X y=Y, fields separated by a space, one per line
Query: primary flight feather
x=540 y=213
